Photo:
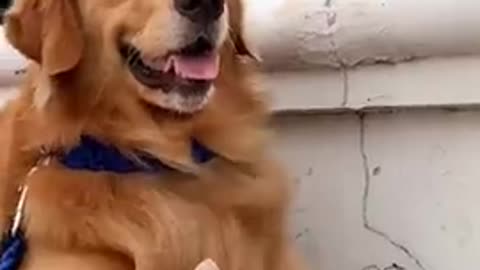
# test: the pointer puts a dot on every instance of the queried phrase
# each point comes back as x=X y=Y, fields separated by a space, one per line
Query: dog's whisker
x=136 y=60
x=131 y=50
x=133 y=57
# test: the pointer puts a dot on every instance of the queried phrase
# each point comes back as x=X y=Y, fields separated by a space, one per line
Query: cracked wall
x=349 y=33
x=385 y=191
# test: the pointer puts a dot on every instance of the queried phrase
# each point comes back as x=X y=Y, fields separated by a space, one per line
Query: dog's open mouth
x=190 y=71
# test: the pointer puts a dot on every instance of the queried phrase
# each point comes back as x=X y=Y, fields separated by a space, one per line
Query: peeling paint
x=315 y=37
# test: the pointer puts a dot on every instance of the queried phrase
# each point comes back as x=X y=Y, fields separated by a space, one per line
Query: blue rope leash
x=13 y=251
x=13 y=246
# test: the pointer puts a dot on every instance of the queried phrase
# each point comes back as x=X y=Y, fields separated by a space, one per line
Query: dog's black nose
x=201 y=11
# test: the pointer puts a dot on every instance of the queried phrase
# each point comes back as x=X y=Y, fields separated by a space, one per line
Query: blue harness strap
x=92 y=155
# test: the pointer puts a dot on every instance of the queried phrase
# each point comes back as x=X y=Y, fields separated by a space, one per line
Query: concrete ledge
x=447 y=83
x=338 y=33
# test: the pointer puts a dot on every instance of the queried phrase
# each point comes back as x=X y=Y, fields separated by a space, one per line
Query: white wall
x=380 y=126
x=386 y=189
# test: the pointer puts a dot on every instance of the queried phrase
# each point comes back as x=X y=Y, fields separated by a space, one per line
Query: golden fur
x=232 y=210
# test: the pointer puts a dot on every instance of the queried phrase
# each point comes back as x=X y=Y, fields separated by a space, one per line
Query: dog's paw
x=207 y=264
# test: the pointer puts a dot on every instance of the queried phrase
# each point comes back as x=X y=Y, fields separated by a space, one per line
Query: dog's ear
x=46 y=31
x=236 y=20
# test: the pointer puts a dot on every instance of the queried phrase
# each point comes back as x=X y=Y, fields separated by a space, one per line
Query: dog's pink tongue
x=196 y=67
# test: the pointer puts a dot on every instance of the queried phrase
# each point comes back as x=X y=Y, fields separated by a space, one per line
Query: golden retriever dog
x=145 y=76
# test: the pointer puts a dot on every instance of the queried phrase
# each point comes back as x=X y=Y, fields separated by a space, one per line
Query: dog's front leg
x=207 y=264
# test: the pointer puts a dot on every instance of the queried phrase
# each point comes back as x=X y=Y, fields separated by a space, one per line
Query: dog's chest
x=43 y=258
x=68 y=211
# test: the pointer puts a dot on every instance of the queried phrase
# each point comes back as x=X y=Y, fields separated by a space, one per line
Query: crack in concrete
x=376 y=267
x=346 y=87
x=394 y=266
x=366 y=222
x=334 y=53
x=344 y=70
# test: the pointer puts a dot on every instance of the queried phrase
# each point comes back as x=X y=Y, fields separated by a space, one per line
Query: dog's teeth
x=169 y=65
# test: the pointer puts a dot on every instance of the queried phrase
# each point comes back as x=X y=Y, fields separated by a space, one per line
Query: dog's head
x=167 y=51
